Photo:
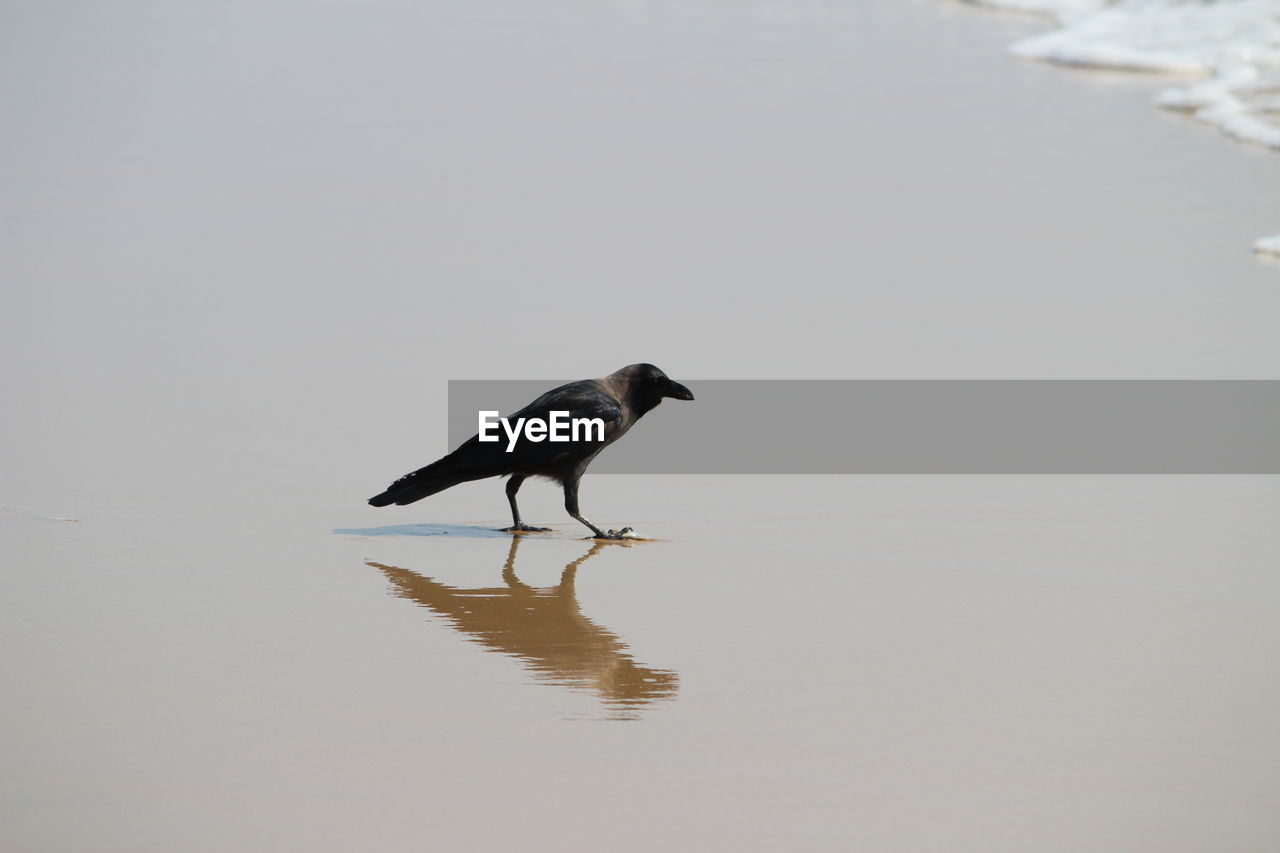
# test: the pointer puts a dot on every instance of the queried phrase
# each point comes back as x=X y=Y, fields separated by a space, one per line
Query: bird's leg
x=571 y=506
x=518 y=526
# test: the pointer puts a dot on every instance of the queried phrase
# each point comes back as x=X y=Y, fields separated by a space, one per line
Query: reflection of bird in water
x=544 y=628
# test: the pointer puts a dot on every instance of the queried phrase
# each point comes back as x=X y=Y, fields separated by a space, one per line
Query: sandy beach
x=245 y=249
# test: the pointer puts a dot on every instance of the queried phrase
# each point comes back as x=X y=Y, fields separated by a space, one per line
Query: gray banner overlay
x=749 y=426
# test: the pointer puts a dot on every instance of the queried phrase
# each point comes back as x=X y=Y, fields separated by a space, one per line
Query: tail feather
x=423 y=483
x=471 y=461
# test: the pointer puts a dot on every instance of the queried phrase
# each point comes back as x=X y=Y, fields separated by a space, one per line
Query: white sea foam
x=1234 y=45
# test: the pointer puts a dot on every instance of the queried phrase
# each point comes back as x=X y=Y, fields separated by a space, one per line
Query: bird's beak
x=679 y=392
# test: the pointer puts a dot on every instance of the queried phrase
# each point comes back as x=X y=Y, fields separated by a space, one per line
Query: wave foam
x=1268 y=246
x=1234 y=44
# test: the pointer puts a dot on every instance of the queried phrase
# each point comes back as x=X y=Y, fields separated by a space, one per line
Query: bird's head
x=651 y=382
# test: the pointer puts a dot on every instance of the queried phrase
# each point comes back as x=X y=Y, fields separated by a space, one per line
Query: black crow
x=619 y=400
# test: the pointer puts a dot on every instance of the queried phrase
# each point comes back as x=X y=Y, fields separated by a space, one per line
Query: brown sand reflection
x=543 y=627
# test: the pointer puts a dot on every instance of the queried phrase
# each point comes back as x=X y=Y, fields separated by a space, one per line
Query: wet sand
x=900 y=663
x=245 y=251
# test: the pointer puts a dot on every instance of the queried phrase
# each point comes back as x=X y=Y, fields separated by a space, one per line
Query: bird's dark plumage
x=619 y=400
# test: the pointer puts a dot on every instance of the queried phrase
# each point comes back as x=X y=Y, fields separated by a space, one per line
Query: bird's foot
x=525 y=528
x=624 y=533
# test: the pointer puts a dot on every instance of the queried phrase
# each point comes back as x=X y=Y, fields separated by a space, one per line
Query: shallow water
x=1225 y=55
x=903 y=663
x=246 y=248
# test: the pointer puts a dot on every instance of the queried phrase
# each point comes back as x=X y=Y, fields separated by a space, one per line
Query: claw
x=525 y=528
